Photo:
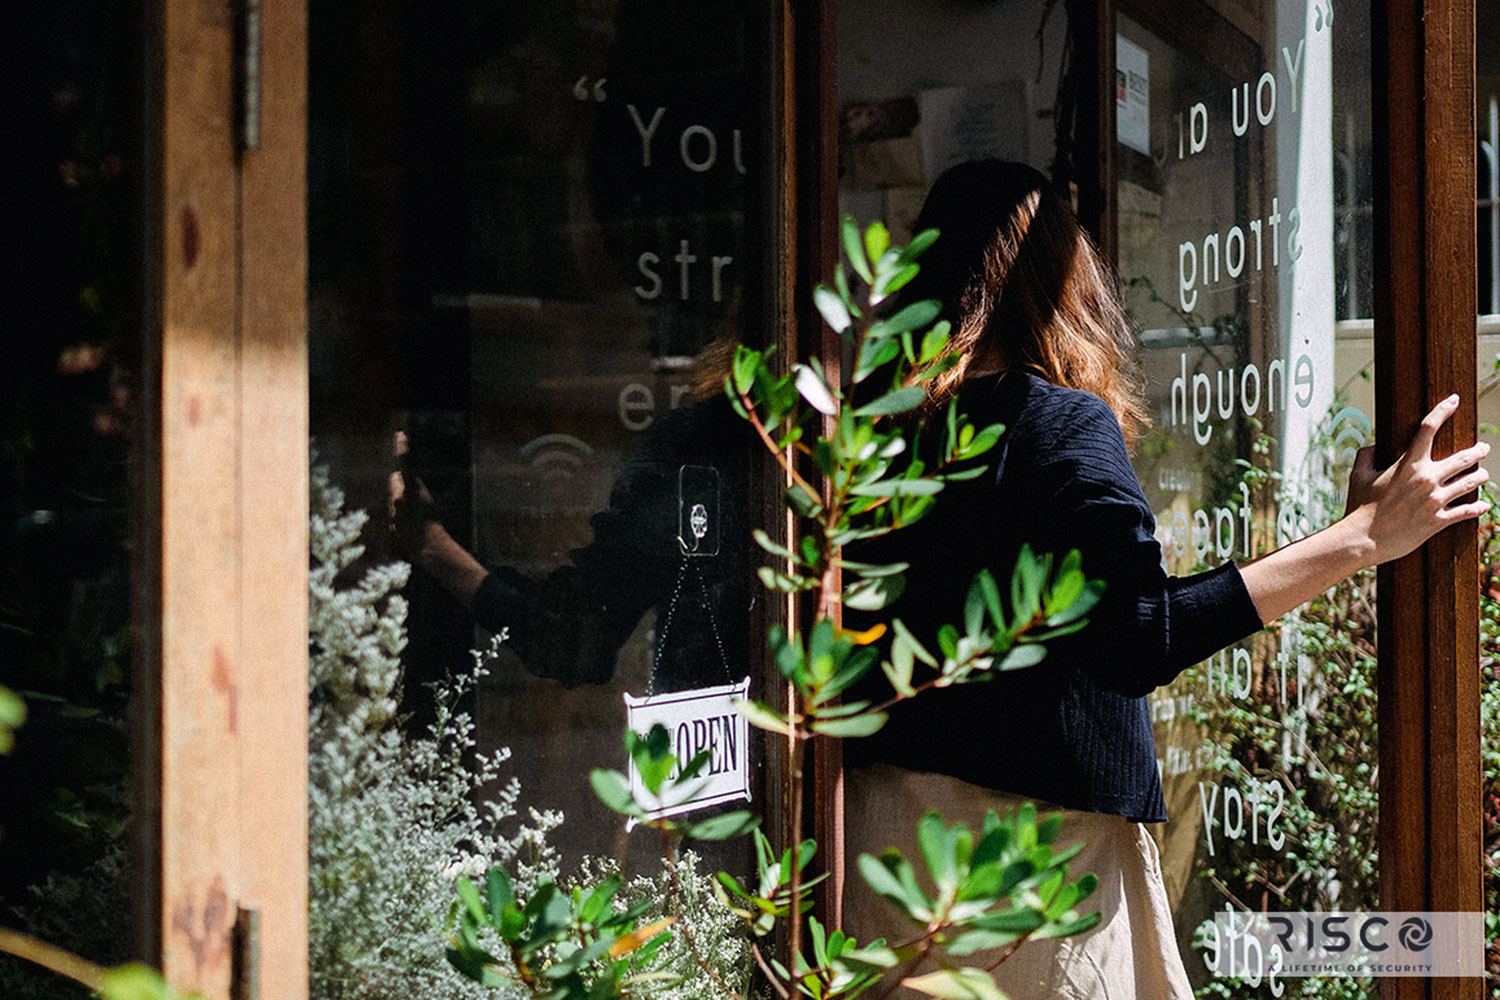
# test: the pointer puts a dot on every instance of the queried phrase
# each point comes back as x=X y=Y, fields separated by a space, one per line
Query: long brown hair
x=1024 y=288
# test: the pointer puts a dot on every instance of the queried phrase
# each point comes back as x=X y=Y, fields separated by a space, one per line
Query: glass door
x=1243 y=189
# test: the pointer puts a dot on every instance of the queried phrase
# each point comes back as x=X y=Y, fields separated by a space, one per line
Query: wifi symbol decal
x=1351 y=429
x=556 y=455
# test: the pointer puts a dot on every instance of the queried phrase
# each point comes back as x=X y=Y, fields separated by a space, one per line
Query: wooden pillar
x=1430 y=820
x=817 y=221
x=221 y=518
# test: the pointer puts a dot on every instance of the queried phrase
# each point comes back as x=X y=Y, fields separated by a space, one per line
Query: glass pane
x=533 y=233
x=1243 y=184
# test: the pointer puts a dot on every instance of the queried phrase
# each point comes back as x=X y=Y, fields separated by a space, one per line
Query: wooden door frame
x=219 y=703
x=1431 y=830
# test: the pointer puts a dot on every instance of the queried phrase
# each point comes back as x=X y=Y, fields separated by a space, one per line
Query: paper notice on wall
x=972 y=123
x=1132 y=95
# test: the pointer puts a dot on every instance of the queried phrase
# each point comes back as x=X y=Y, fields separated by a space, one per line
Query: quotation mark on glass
x=584 y=92
x=1351 y=429
x=1322 y=14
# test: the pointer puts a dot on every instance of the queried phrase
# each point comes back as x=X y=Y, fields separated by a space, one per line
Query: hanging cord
x=666 y=627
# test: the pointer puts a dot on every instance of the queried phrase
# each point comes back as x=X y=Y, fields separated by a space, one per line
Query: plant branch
x=769 y=973
x=770 y=443
x=794 y=933
x=51 y=957
x=1009 y=950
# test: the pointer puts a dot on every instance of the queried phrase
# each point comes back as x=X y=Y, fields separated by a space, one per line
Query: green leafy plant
x=861 y=459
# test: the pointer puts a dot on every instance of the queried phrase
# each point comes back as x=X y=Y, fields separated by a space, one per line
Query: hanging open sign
x=699 y=720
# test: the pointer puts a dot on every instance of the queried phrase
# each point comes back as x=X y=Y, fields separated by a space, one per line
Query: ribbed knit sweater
x=1074 y=730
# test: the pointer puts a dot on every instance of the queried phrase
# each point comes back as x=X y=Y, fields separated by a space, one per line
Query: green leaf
x=899 y=668
x=734 y=824
x=746 y=361
x=982 y=442
x=1026 y=654
x=761 y=717
x=470 y=895
x=613 y=789
x=652 y=755
x=858 y=725
x=974 y=609
x=956 y=984
x=815 y=390
x=936 y=842
x=12 y=708
x=890 y=283
x=877 y=239
x=891 y=876
x=764 y=541
x=973 y=941
x=872 y=355
x=833 y=308
x=1024 y=586
x=854 y=667
x=934 y=341
x=498 y=893
x=1084 y=603
x=783 y=582
x=899 y=401
x=993 y=844
x=1015 y=920
x=918 y=650
x=874 y=593
x=849 y=231
x=841 y=285
x=512 y=922
x=874 y=569
x=874 y=955
x=912 y=317
x=137 y=982
x=802 y=502
x=919 y=244
x=898 y=488
x=1068 y=928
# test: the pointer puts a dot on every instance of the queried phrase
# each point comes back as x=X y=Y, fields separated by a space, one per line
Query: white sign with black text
x=698 y=720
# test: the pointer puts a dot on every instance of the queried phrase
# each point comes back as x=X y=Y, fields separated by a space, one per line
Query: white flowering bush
x=680 y=891
x=394 y=819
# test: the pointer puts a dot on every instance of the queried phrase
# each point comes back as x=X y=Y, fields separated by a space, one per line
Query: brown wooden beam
x=219 y=702
x=1430 y=832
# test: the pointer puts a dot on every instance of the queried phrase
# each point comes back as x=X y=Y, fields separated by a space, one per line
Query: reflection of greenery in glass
x=1489 y=725
x=1320 y=744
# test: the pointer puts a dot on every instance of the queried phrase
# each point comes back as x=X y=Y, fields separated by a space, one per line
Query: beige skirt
x=1132 y=953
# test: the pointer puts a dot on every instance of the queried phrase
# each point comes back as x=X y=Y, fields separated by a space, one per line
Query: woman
x=1047 y=352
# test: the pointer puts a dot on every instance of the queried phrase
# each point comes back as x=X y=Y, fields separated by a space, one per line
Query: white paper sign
x=704 y=719
x=1132 y=95
x=979 y=122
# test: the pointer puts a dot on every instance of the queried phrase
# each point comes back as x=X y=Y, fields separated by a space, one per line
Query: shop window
x=535 y=237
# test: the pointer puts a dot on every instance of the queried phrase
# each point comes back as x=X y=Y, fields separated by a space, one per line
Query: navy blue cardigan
x=1074 y=730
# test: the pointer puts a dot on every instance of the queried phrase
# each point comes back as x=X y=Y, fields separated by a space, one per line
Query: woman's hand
x=1401 y=507
x=1389 y=514
x=423 y=540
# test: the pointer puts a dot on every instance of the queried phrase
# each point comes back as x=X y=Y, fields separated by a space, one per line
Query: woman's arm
x=1389 y=515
